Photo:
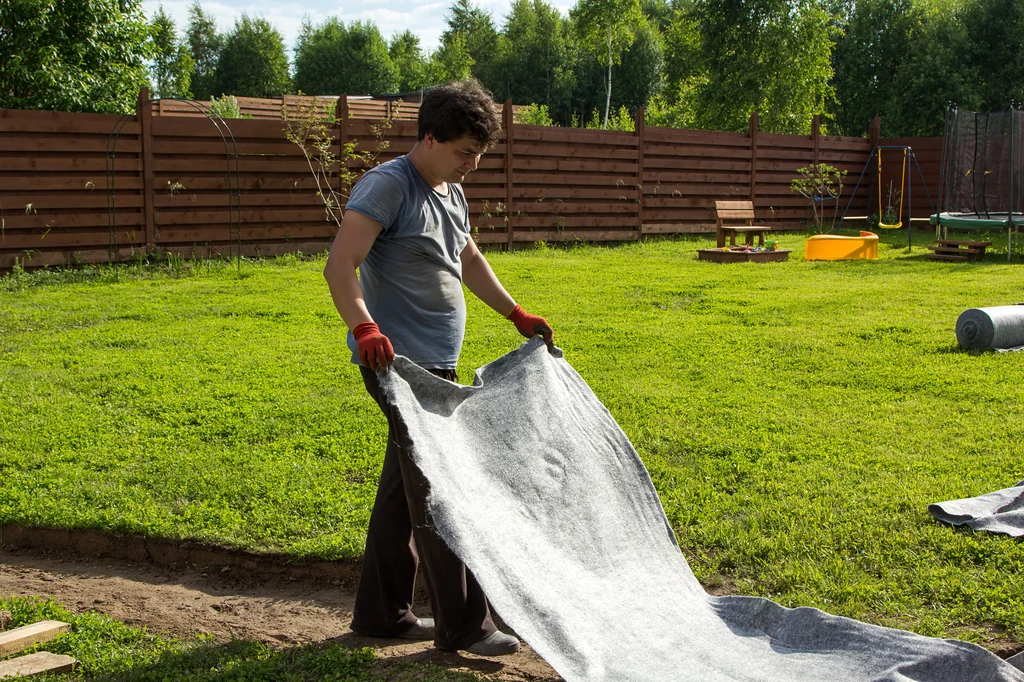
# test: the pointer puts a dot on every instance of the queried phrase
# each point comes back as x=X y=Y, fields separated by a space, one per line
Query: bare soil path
x=186 y=600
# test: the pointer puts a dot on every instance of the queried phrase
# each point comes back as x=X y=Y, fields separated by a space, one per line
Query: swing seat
x=890 y=227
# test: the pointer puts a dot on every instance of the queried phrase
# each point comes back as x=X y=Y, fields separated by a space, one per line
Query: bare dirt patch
x=184 y=600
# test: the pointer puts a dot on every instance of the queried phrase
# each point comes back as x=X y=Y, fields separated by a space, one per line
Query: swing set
x=905 y=185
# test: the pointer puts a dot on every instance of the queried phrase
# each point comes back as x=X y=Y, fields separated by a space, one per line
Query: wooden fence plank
x=69 y=145
x=79 y=164
x=45 y=183
x=31 y=120
x=55 y=221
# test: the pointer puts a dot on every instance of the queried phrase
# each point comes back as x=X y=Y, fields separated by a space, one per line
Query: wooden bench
x=954 y=250
x=733 y=211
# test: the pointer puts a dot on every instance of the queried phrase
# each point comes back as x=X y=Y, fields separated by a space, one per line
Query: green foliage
x=820 y=183
x=332 y=59
x=994 y=29
x=227 y=107
x=479 y=39
x=867 y=57
x=604 y=27
x=451 y=61
x=536 y=57
x=73 y=55
x=904 y=60
x=619 y=120
x=639 y=74
x=205 y=45
x=407 y=56
x=252 y=61
x=769 y=56
x=172 y=64
x=534 y=115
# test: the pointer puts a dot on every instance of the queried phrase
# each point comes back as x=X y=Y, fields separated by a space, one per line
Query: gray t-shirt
x=412 y=276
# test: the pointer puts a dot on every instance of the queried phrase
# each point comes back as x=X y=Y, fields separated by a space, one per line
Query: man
x=406 y=227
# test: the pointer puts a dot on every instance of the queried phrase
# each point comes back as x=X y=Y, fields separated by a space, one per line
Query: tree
x=252 y=61
x=770 y=56
x=333 y=59
x=905 y=60
x=605 y=26
x=536 y=62
x=205 y=45
x=407 y=56
x=450 y=62
x=480 y=37
x=641 y=69
x=73 y=55
x=996 y=51
x=932 y=74
x=172 y=63
x=658 y=12
x=875 y=43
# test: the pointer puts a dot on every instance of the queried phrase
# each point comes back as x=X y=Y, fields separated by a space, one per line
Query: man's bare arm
x=353 y=241
x=481 y=280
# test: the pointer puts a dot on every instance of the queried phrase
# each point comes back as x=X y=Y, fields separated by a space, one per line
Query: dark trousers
x=400 y=536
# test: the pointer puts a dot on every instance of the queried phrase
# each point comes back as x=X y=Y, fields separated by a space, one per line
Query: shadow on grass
x=452 y=661
x=249 y=661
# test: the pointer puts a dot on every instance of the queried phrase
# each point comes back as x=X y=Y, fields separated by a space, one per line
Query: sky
x=425 y=18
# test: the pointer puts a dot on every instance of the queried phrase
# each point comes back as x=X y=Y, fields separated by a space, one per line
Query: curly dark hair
x=460 y=108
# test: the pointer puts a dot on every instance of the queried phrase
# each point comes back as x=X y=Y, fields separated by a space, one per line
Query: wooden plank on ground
x=36 y=664
x=13 y=641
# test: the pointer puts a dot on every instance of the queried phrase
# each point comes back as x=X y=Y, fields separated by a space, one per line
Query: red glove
x=374 y=348
x=530 y=325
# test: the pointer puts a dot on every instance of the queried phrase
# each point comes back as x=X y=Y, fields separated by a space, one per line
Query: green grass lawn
x=796 y=417
x=109 y=650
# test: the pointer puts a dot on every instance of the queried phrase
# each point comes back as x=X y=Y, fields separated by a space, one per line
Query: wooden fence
x=271 y=109
x=69 y=194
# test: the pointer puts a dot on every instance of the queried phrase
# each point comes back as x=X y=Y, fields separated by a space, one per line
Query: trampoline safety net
x=981 y=165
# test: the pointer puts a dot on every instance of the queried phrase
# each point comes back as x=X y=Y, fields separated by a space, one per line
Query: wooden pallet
x=957 y=250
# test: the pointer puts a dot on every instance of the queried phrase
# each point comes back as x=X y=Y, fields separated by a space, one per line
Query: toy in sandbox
x=742 y=211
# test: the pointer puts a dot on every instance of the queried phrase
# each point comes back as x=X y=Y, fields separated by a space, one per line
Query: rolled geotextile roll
x=998 y=327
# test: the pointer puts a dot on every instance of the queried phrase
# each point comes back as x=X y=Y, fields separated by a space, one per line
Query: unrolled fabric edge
x=978 y=513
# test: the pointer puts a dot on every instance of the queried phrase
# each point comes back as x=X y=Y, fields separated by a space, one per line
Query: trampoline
x=981 y=173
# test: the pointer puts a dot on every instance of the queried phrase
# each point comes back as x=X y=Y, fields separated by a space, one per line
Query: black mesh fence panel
x=984 y=154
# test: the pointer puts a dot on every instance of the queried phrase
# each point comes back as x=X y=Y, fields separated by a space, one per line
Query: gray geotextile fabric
x=997 y=327
x=539 y=491
x=998 y=512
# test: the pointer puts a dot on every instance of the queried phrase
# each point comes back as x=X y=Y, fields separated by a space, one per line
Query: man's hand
x=530 y=325
x=374 y=348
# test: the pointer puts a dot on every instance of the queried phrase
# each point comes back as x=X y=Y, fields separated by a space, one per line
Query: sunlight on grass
x=796 y=417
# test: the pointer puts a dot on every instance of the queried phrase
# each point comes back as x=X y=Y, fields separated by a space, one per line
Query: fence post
x=875 y=139
x=640 y=129
x=753 y=157
x=144 y=114
x=341 y=122
x=816 y=137
x=508 y=172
